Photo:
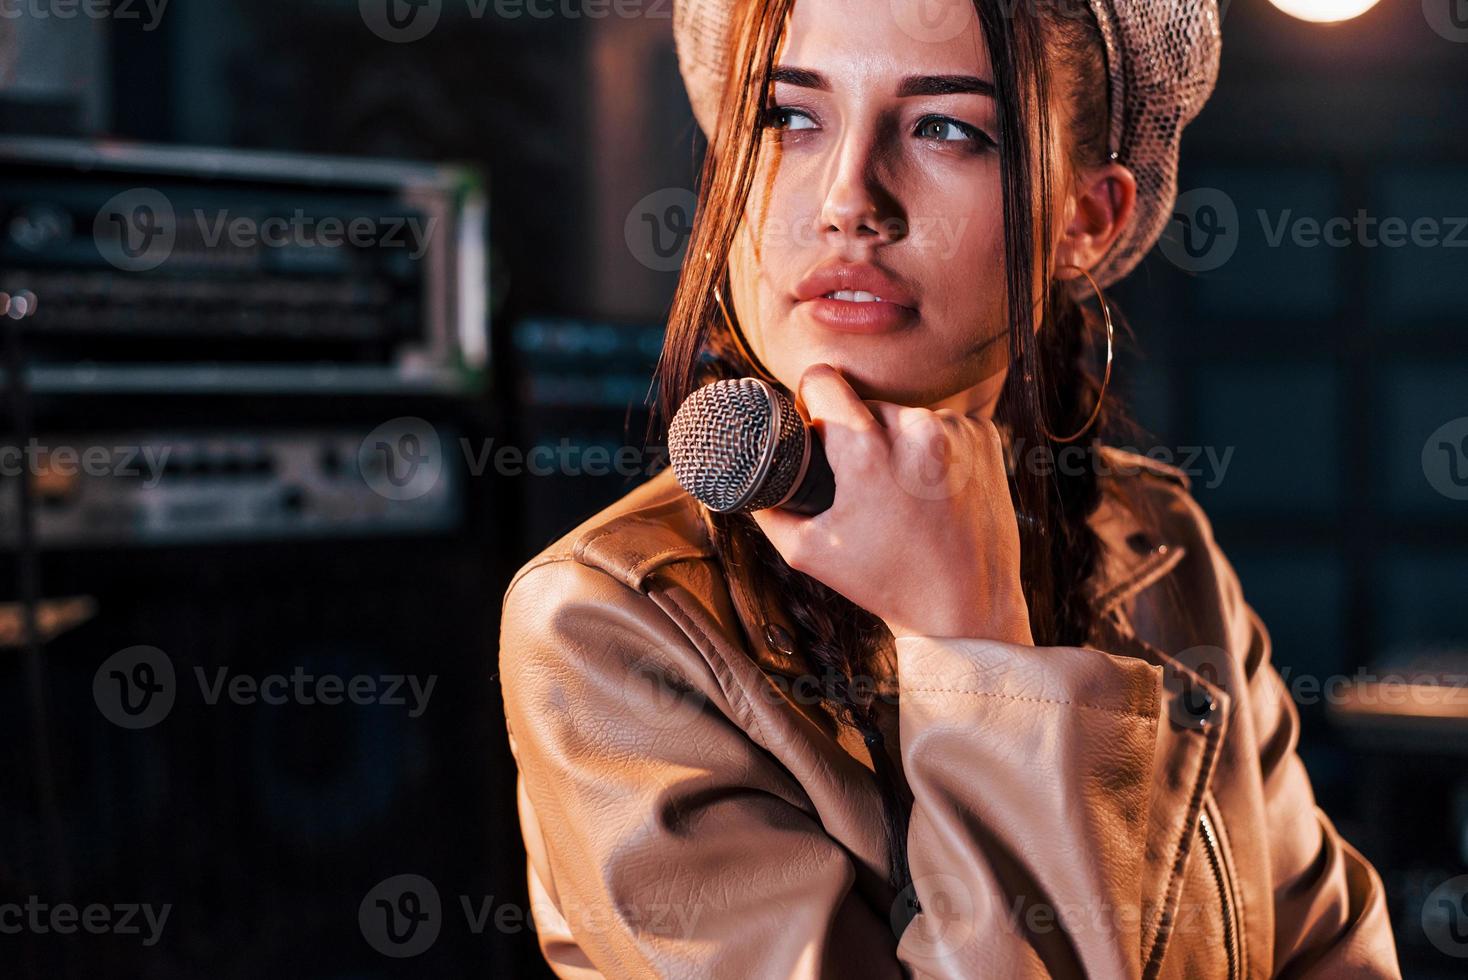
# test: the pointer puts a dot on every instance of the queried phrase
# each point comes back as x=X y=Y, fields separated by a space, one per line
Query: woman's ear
x=1103 y=201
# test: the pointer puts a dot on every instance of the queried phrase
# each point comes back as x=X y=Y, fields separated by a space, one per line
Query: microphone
x=739 y=445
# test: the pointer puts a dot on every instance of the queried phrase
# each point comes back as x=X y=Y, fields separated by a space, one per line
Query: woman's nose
x=858 y=207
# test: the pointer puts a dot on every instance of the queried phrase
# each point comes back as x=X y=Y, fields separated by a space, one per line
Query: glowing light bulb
x=1324 y=11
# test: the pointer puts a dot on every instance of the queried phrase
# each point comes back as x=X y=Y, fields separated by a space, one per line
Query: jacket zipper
x=1215 y=860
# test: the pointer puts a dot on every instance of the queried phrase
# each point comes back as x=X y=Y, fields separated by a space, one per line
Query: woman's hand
x=921 y=532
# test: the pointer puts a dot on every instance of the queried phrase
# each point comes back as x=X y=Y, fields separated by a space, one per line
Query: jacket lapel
x=1193 y=723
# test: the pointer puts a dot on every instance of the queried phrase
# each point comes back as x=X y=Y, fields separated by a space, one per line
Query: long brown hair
x=1048 y=384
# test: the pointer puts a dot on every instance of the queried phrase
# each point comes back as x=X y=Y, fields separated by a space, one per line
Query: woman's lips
x=857 y=316
x=855 y=297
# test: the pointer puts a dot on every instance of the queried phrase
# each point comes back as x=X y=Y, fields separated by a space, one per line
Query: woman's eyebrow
x=910 y=86
x=944 y=85
x=803 y=77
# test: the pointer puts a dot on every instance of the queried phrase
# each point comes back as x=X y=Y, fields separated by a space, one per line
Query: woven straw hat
x=1162 y=63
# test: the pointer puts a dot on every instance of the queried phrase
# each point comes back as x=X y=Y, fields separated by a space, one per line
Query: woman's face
x=874 y=235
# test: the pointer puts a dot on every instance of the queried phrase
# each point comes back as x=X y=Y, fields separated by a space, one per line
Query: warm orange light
x=1324 y=11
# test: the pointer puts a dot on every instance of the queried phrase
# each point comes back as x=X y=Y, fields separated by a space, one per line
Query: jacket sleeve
x=1026 y=849
x=1330 y=914
x=676 y=846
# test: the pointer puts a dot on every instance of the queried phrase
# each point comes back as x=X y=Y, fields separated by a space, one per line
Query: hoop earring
x=1105 y=378
x=736 y=334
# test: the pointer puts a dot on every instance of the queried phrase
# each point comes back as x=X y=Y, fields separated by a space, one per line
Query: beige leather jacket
x=1133 y=808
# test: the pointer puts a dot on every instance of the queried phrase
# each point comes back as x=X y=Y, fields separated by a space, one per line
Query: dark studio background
x=1326 y=371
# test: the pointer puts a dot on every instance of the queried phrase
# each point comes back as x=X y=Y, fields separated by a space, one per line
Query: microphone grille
x=737 y=445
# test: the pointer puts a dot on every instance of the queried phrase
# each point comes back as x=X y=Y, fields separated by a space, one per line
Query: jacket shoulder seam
x=639 y=570
x=534 y=563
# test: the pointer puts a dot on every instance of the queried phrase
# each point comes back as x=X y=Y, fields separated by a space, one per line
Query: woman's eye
x=784 y=118
x=945 y=130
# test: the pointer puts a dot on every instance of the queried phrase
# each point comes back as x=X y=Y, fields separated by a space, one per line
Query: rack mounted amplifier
x=168 y=269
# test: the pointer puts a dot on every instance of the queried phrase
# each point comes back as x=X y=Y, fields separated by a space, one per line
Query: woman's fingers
x=887 y=414
x=855 y=439
x=829 y=399
x=784 y=529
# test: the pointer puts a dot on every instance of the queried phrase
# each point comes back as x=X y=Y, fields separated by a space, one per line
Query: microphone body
x=739 y=445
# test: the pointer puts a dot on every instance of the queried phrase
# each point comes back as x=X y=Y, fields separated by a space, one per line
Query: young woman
x=1001 y=711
